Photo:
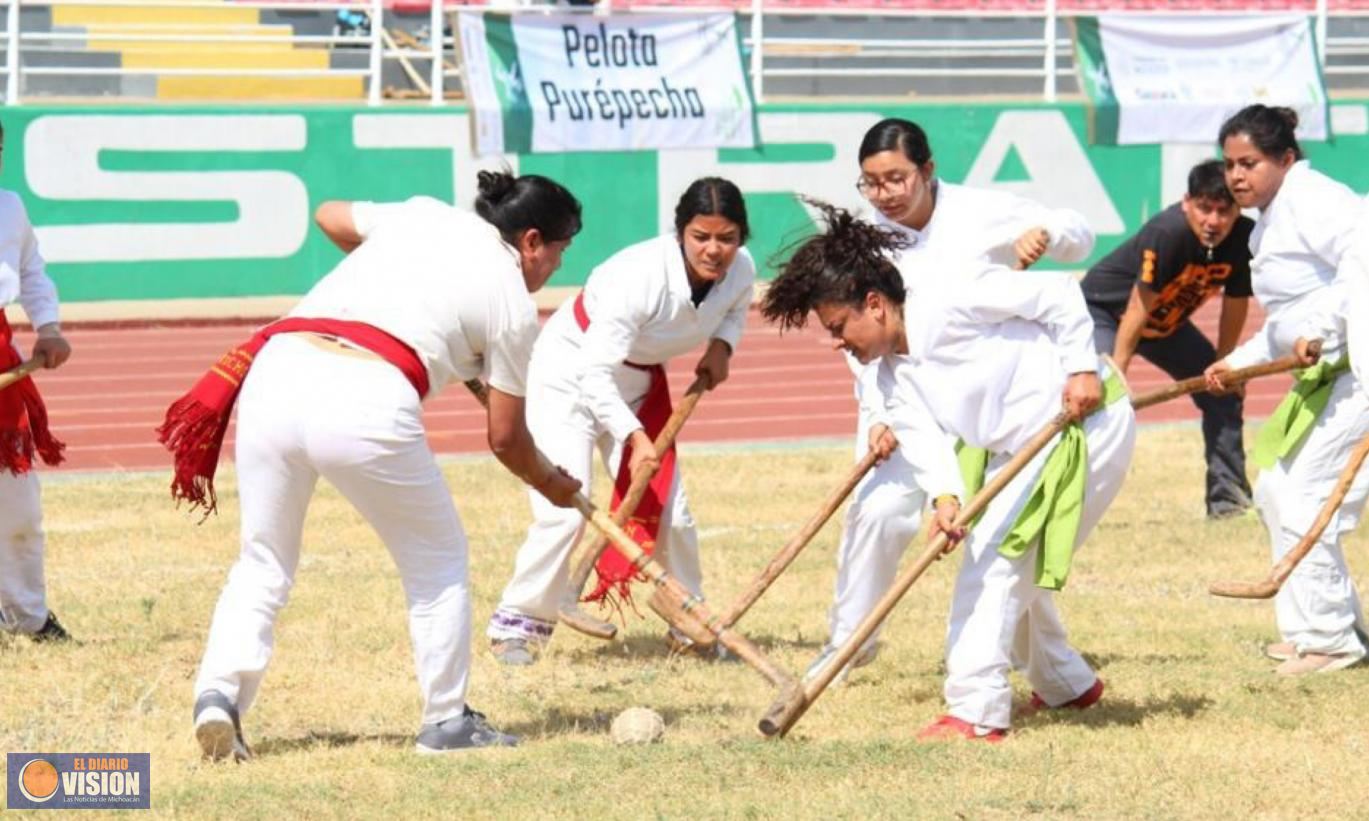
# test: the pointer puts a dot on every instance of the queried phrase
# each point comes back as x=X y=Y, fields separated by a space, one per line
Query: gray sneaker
x=217 y=728
x=513 y=652
x=466 y=732
x=829 y=651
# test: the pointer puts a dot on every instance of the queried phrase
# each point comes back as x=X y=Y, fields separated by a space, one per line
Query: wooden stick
x=409 y=70
x=18 y=372
x=1198 y=384
x=795 y=546
x=1266 y=588
x=680 y=608
x=571 y=614
x=785 y=712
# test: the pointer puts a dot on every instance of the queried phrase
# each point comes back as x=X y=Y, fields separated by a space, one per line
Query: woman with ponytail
x=427 y=294
x=988 y=358
x=597 y=382
x=1299 y=245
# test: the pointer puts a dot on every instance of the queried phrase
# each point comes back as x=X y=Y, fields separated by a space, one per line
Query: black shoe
x=466 y=732
x=217 y=728
x=52 y=630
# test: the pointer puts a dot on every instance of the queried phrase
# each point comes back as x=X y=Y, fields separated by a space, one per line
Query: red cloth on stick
x=23 y=417
x=615 y=572
x=196 y=423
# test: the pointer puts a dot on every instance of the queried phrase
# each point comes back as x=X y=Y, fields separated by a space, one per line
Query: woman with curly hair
x=987 y=357
x=932 y=217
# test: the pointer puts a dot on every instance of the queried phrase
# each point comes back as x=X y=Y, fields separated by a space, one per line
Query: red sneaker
x=950 y=728
x=1090 y=697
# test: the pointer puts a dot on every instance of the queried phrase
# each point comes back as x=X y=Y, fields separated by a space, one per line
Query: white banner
x=1176 y=79
x=573 y=82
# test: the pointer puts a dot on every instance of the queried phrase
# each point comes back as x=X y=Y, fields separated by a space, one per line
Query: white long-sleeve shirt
x=641 y=311
x=969 y=229
x=441 y=280
x=1297 y=246
x=988 y=355
x=23 y=276
x=981 y=226
x=1354 y=271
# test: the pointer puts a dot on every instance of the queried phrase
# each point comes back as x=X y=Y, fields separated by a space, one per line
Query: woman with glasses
x=945 y=230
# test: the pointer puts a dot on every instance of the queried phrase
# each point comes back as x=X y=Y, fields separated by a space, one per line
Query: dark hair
x=1269 y=128
x=709 y=196
x=516 y=204
x=894 y=134
x=849 y=259
x=1207 y=181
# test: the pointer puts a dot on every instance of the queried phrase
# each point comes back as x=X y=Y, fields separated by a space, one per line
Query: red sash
x=615 y=572
x=23 y=417
x=196 y=423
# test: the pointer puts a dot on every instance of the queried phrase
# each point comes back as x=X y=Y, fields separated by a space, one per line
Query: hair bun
x=494 y=186
x=1287 y=114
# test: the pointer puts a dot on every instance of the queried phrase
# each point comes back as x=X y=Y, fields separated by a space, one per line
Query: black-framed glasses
x=869 y=186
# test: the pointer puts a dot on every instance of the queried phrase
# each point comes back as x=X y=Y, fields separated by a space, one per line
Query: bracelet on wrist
x=945 y=497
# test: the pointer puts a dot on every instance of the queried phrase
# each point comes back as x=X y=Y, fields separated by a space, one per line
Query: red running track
x=106 y=402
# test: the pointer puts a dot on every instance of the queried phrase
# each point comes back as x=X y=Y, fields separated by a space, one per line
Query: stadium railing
x=44 y=39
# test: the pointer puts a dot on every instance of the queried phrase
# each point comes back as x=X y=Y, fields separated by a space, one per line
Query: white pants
x=305 y=413
x=1000 y=619
x=568 y=434
x=22 y=599
x=1317 y=609
x=881 y=521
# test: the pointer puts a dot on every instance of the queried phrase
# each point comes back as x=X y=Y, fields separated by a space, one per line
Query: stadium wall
x=195 y=202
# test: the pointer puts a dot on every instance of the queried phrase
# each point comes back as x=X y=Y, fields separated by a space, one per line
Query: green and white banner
x=1158 y=79
x=573 y=82
x=176 y=202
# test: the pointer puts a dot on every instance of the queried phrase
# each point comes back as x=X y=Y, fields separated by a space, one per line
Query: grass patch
x=1193 y=724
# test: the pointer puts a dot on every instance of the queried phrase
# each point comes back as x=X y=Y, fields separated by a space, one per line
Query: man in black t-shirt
x=1143 y=294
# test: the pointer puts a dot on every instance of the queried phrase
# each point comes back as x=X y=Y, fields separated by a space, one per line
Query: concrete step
x=228 y=14
x=261 y=88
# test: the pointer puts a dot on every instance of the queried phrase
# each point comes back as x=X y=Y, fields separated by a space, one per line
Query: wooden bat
x=786 y=711
x=18 y=372
x=1198 y=384
x=795 y=545
x=571 y=614
x=1267 y=587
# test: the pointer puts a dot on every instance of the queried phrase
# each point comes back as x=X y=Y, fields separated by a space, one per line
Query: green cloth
x=1056 y=504
x=974 y=463
x=1298 y=412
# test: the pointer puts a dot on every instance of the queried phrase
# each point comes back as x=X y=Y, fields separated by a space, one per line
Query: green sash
x=1298 y=412
x=1056 y=504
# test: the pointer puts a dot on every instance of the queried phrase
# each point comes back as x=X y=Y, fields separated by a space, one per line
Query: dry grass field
x=1194 y=724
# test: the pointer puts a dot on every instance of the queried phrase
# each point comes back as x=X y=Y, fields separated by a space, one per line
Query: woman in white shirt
x=427 y=294
x=987 y=357
x=598 y=376
x=24 y=434
x=1307 y=223
x=936 y=219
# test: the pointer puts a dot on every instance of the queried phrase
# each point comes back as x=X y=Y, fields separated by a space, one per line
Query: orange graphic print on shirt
x=1181 y=296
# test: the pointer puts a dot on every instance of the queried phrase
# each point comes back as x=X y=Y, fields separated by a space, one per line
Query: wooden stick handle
x=1284 y=568
x=637 y=490
x=18 y=372
x=795 y=546
x=1198 y=384
x=783 y=714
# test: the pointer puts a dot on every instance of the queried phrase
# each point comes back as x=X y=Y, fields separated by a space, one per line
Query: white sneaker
x=217 y=728
x=829 y=651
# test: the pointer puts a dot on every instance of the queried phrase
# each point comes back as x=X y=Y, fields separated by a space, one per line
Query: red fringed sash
x=196 y=423
x=615 y=572
x=23 y=417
